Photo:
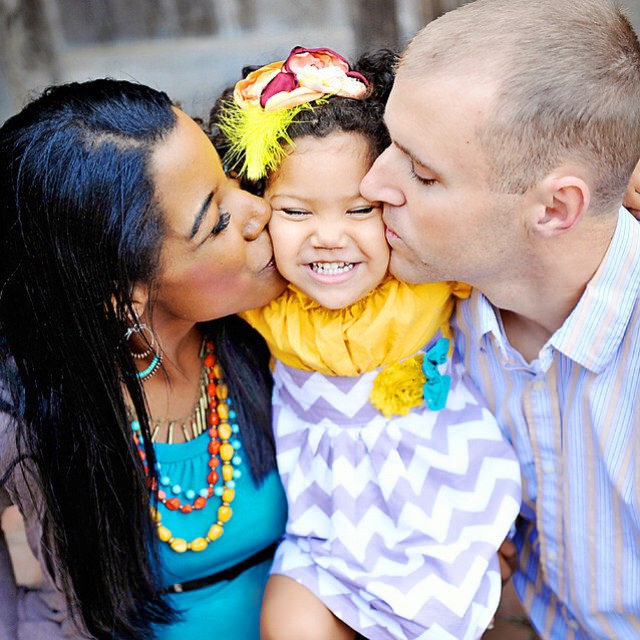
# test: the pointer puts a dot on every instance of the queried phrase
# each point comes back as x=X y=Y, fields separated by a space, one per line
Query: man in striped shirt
x=515 y=127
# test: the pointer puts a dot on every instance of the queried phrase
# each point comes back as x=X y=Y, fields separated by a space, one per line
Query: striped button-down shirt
x=573 y=415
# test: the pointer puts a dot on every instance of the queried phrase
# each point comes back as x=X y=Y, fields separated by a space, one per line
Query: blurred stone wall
x=191 y=49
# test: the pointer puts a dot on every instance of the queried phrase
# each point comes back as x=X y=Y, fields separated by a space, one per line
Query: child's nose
x=329 y=234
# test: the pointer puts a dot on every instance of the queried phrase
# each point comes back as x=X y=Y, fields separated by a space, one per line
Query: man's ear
x=563 y=202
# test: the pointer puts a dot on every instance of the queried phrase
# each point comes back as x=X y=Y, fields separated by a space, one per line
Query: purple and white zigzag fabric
x=394 y=523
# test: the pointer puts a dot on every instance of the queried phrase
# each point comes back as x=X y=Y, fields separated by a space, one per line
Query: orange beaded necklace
x=222 y=451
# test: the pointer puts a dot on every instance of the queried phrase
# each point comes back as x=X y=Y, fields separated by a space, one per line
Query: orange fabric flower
x=306 y=75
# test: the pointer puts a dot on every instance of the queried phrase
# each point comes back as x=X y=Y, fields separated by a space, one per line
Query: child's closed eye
x=364 y=210
x=294 y=212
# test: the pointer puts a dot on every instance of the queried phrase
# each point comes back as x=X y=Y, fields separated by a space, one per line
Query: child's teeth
x=331 y=267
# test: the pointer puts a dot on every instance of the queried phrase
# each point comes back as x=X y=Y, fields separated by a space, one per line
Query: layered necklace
x=213 y=413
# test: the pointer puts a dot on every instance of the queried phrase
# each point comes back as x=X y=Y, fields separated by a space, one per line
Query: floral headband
x=265 y=103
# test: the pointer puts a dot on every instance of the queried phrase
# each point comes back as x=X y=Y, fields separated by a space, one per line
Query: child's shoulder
x=435 y=290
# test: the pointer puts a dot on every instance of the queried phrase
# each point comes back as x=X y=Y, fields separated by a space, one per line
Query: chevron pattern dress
x=393 y=523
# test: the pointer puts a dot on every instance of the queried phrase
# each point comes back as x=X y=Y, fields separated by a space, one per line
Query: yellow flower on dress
x=398 y=387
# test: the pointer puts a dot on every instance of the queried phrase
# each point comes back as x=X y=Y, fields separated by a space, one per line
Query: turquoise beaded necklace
x=223 y=431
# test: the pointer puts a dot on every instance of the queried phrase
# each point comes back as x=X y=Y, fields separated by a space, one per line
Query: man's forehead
x=431 y=102
x=435 y=121
x=468 y=85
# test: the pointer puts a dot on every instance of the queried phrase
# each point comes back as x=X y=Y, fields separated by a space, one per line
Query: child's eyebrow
x=292 y=196
x=200 y=215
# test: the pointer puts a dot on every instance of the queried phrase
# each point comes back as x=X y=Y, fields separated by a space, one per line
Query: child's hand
x=632 y=196
x=508 y=558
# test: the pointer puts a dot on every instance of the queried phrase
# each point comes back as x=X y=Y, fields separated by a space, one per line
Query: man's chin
x=411 y=269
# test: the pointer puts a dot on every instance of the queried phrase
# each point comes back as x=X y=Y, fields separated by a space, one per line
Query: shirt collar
x=484 y=321
x=594 y=329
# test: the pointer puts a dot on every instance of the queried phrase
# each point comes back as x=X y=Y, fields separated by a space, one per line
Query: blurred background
x=192 y=49
x=189 y=48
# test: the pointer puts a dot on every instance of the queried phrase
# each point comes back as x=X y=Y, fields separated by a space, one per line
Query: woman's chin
x=271 y=285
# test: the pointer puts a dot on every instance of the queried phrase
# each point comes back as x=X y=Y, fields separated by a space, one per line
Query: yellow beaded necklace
x=222 y=450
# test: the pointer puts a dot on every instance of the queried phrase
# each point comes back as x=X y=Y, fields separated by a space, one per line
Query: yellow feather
x=257 y=138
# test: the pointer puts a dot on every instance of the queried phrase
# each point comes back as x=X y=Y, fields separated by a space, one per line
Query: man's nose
x=379 y=183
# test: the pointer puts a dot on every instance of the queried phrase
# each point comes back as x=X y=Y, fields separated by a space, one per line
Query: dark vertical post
x=29 y=47
x=375 y=24
x=247 y=14
x=431 y=9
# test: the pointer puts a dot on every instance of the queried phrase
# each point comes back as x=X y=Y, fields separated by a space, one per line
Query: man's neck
x=535 y=304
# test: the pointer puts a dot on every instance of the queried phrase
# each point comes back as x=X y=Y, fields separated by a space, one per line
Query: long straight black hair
x=79 y=226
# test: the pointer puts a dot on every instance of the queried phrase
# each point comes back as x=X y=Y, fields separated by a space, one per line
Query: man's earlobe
x=565 y=201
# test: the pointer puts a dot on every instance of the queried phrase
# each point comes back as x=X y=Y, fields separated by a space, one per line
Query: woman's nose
x=256 y=214
x=379 y=184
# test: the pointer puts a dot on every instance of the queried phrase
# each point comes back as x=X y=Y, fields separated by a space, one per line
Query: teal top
x=229 y=608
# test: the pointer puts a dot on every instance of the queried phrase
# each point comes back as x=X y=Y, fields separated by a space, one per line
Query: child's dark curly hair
x=364 y=116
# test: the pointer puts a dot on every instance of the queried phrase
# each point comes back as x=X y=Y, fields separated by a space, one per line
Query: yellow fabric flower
x=398 y=387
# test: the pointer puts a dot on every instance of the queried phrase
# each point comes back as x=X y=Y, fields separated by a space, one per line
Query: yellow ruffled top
x=389 y=324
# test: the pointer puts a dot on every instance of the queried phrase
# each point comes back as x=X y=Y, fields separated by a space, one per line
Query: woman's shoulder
x=8 y=429
x=13 y=462
x=8 y=453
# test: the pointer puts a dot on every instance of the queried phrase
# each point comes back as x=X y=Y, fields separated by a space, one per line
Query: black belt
x=225 y=574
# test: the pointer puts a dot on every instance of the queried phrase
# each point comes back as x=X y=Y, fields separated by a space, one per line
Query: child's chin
x=337 y=302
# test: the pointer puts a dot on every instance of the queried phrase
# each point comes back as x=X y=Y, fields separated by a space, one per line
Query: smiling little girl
x=400 y=485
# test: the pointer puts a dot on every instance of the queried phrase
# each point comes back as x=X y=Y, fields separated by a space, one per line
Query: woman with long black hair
x=135 y=409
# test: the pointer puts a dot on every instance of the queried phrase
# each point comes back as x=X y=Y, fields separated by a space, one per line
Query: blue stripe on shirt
x=573 y=416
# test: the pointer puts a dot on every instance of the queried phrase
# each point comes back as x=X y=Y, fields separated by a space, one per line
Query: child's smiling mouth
x=329 y=273
x=331 y=268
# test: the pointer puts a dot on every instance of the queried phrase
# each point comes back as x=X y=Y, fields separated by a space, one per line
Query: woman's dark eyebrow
x=200 y=216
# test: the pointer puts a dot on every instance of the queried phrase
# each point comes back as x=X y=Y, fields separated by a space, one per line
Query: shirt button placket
x=540 y=428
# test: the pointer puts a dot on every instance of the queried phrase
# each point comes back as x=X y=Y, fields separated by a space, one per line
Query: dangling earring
x=141 y=329
x=156 y=361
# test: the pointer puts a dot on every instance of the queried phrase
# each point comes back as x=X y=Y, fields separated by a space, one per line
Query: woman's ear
x=565 y=200
x=140 y=301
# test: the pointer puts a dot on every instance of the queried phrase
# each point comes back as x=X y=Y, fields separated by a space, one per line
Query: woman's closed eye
x=221 y=224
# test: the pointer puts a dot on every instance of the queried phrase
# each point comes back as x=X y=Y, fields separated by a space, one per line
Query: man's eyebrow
x=200 y=215
x=413 y=157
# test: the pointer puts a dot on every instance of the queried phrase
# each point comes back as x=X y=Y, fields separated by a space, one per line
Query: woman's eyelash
x=222 y=224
